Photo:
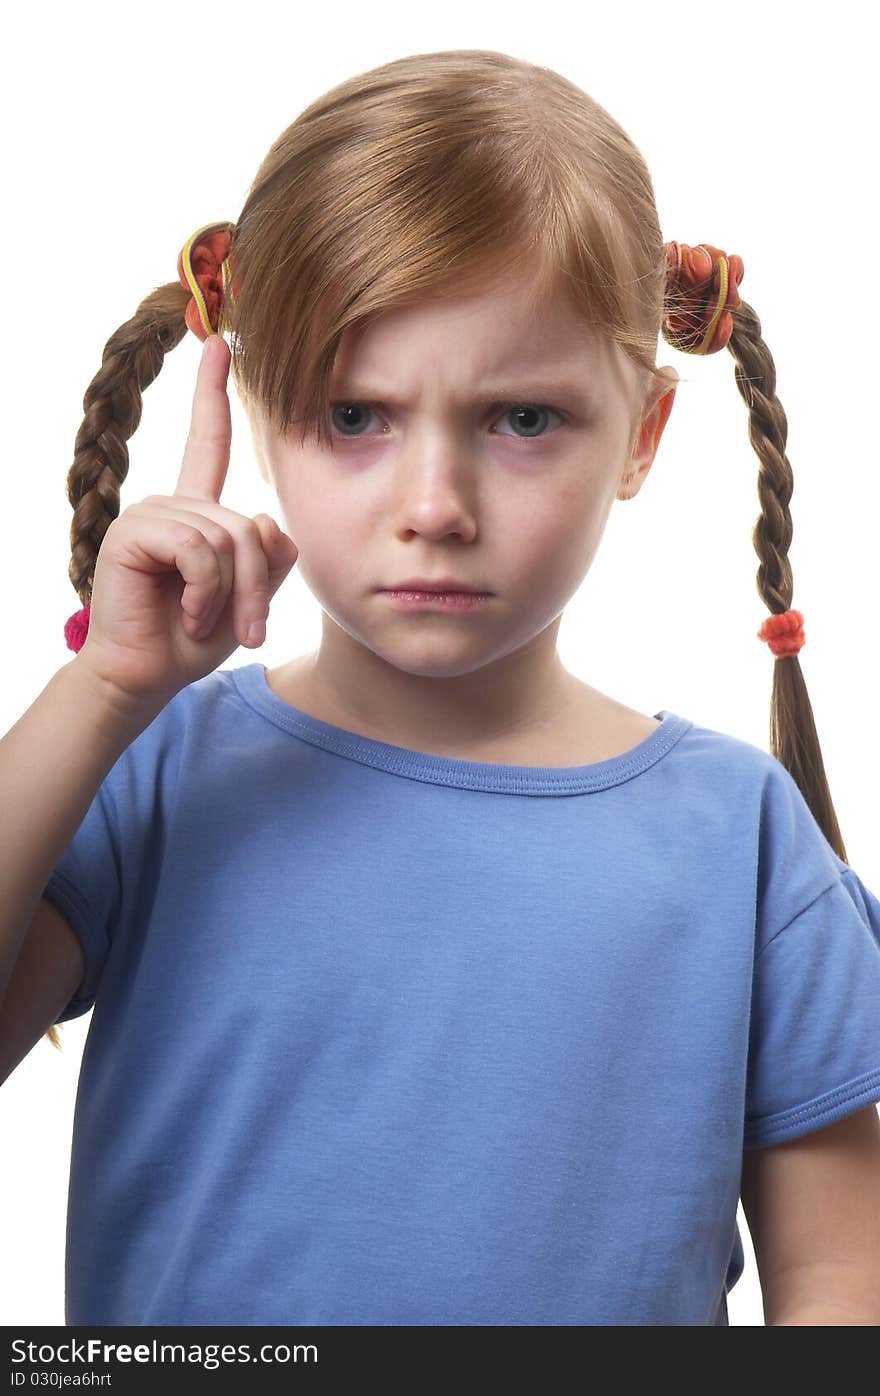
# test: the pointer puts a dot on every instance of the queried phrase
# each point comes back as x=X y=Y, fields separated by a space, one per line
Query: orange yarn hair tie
x=205 y=269
x=702 y=289
x=784 y=633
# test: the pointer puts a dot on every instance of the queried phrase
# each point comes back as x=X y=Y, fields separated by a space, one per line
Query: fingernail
x=257 y=632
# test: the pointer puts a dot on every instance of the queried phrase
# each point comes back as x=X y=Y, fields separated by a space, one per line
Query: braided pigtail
x=112 y=403
x=794 y=740
x=705 y=314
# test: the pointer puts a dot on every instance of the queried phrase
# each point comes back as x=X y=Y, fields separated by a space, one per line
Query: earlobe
x=258 y=451
x=261 y=459
x=253 y=423
x=258 y=448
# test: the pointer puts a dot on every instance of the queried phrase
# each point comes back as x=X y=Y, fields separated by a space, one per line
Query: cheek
x=329 y=539
x=314 y=520
x=558 y=529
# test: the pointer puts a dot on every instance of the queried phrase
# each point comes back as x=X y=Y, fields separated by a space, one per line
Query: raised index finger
x=206 y=454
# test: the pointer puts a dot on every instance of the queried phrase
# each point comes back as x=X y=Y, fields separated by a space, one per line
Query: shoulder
x=726 y=769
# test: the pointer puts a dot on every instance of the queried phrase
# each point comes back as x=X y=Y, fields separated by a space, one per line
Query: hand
x=179 y=578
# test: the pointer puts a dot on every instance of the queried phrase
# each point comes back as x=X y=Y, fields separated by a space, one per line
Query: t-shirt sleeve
x=814 y=1036
x=86 y=885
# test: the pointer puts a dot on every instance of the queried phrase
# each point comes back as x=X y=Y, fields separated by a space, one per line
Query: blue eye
x=527 y=409
x=348 y=408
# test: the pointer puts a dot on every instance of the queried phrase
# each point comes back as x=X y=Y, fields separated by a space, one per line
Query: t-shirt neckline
x=252 y=687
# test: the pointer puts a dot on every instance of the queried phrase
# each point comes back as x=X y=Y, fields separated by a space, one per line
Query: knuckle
x=122 y=521
x=215 y=533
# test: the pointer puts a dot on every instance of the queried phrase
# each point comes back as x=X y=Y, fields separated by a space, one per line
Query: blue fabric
x=388 y=1038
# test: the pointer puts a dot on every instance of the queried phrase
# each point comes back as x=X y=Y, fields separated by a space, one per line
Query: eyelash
x=503 y=406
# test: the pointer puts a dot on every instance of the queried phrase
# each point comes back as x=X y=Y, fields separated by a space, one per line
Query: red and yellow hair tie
x=205 y=269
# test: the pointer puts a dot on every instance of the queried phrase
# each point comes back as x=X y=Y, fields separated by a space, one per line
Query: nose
x=436 y=487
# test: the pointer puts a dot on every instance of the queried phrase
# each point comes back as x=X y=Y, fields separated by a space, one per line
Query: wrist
x=122 y=715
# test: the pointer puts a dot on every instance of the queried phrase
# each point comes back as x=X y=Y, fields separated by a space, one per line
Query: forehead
x=508 y=329
x=513 y=334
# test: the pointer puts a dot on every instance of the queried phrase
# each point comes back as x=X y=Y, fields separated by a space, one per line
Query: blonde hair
x=418 y=180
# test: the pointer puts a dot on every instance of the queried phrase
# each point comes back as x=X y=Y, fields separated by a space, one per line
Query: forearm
x=827 y=1314
x=51 y=764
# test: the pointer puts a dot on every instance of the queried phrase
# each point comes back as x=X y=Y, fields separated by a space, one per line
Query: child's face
x=431 y=476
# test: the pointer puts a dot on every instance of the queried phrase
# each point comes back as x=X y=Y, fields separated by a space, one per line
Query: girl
x=431 y=985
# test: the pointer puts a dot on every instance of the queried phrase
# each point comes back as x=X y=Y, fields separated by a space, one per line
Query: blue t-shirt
x=382 y=1037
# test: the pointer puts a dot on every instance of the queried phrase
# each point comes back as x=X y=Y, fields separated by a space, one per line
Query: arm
x=51 y=764
x=813 y=1209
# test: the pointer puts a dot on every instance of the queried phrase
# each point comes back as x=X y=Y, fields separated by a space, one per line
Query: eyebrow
x=526 y=390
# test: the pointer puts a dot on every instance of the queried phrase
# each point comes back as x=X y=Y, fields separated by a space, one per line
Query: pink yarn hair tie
x=77 y=628
x=784 y=633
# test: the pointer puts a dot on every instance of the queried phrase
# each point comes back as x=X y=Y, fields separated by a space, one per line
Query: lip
x=446 y=585
x=449 y=601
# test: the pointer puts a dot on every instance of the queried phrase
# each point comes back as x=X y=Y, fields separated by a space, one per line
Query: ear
x=256 y=436
x=646 y=437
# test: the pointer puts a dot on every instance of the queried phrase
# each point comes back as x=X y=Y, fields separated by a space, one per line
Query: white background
x=124 y=131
